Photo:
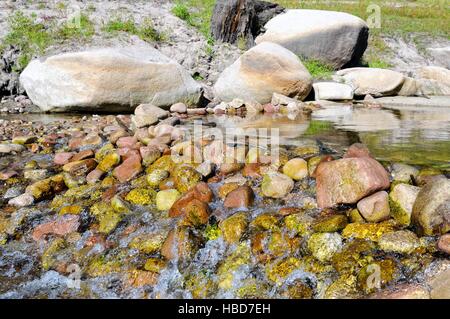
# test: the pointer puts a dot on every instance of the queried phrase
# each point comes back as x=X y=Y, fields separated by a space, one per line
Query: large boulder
x=373 y=81
x=347 y=180
x=431 y=210
x=336 y=38
x=261 y=71
x=111 y=79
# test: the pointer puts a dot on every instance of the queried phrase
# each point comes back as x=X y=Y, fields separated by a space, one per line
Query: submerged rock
x=402 y=199
x=403 y=242
x=276 y=185
x=375 y=208
x=324 y=245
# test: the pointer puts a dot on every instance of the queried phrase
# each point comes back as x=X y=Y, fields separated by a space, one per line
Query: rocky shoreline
x=138 y=205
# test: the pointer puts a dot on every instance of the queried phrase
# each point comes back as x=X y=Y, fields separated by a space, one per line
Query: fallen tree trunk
x=241 y=20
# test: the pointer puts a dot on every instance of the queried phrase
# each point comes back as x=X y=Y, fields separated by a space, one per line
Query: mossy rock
x=234 y=227
x=298 y=290
x=323 y=246
x=354 y=255
x=278 y=271
x=148 y=243
x=212 y=232
x=141 y=196
x=200 y=285
x=241 y=256
x=103 y=151
x=155 y=265
x=109 y=221
x=344 y=287
x=119 y=205
x=164 y=163
x=299 y=224
x=102 y=266
x=370 y=231
x=377 y=275
x=330 y=224
x=109 y=161
x=48 y=258
x=265 y=221
x=253 y=289
x=72 y=209
x=155 y=177
x=185 y=177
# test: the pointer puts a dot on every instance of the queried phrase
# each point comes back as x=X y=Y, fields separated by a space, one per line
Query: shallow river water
x=412 y=135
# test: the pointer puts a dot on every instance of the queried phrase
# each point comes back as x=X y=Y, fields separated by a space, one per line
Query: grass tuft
x=146 y=31
x=318 y=69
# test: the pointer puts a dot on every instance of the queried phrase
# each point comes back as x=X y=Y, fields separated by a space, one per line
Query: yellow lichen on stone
x=371 y=231
x=141 y=196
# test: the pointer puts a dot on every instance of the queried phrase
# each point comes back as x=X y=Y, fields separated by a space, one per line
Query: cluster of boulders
x=119 y=79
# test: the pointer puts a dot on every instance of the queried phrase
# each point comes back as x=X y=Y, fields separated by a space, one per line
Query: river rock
x=324 y=245
x=431 y=210
x=347 y=180
x=373 y=81
x=166 y=198
x=61 y=226
x=241 y=197
x=332 y=91
x=296 y=168
x=110 y=79
x=276 y=185
x=336 y=38
x=402 y=198
x=402 y=242
x=22 y=200
x=10 y=148
x=261 y=71
x=357 y=150
x=234 y=227
x=444 y=244
x=404 y=291
x=129 y=169
x=435 y=73
x=147 y=114
x=375 y=208
x=178 y=108
x=403 y=172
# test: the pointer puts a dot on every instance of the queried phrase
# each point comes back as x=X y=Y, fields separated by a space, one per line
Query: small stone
x=35 y=174
x=22 y=140
x=402 y=241
x=62 y=158
x=11 y=148
x=82 y=155
x=149 y=154
x=178 y=108
x=296 y=168
x=375 y=208
x=166 y=198
x=22 y=200
x=141 y=196
x=155 y=177
x=330 y=224
x=196 y=213
x=80 y=167
x=401 y=199
x=94 y=176
x=206 y=168
x=444 y=244
x=109 y=161
x=403 y=173
x=357 y=150
x=129 y=169
x=129 y=142
x=7 y=174
x=242 y=197
x=324 y=245
x=185 y=177
x=61 y=226
x=276 y=185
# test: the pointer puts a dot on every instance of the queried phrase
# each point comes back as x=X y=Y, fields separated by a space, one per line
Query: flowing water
x=413 y=135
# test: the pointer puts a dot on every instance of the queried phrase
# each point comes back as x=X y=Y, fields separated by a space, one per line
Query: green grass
x=199 y=12
x=318 y=69
x=145 y=31
x=28 y=36
x=181 y=11
x=85 y=30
